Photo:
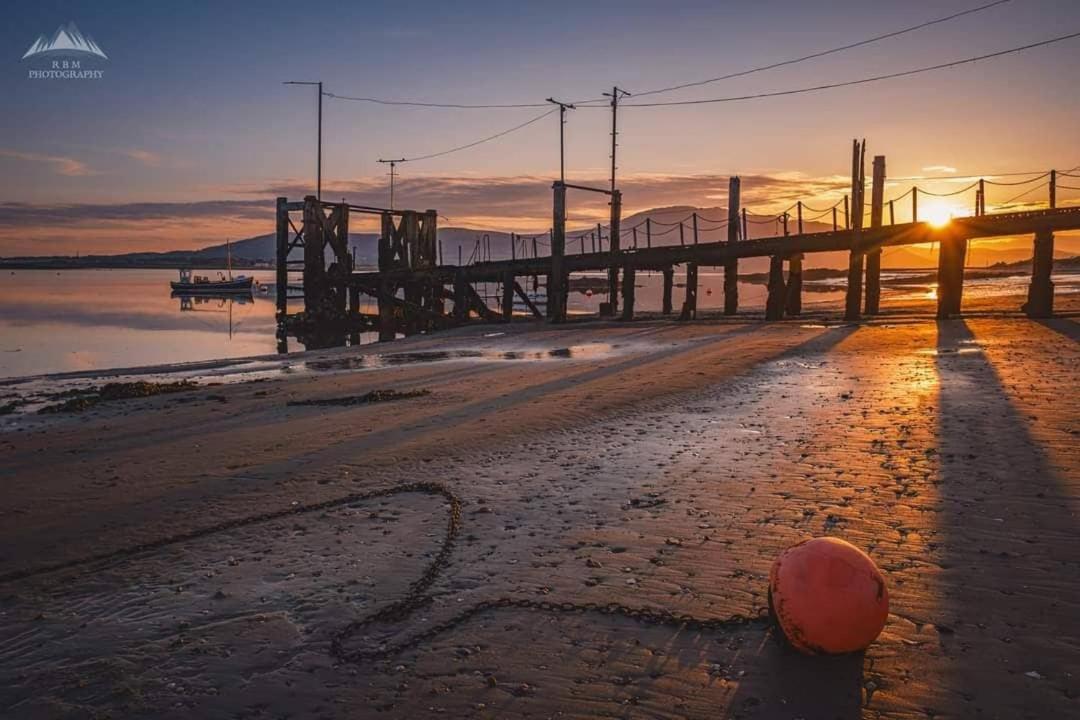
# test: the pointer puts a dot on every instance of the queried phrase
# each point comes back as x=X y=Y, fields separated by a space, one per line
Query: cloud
x=939 y=169
x=62 y=165
x=145 y=157
x=517 y=203
x=44 y=214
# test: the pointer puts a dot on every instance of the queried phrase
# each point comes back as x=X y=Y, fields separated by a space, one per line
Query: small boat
x=202 y=285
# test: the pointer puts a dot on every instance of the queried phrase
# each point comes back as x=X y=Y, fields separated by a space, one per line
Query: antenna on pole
x=563 y=107
x=615 y=95
x=392 y=164
x=318 y=152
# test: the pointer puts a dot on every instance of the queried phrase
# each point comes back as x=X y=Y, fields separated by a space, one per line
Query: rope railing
x=810 y=213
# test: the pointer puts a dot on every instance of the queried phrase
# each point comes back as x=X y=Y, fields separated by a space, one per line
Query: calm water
x=98 y=319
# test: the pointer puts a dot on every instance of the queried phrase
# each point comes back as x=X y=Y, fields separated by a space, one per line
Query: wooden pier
x=413 y=285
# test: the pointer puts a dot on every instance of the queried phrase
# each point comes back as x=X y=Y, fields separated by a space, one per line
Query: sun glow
x=938 y=215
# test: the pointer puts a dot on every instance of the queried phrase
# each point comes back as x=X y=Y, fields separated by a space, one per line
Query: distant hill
x=471 y=244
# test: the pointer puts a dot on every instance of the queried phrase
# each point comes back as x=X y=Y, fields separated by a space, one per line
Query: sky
x=190 y=131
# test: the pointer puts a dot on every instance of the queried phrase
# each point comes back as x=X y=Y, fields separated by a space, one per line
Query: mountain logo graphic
x=67 y=40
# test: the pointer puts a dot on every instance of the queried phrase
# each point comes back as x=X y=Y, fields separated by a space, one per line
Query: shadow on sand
x=1009 y=554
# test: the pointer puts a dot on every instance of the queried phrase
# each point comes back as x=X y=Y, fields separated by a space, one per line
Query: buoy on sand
x=828 y=596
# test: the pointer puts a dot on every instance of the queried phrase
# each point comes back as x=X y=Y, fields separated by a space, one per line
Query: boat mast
x=228 y=257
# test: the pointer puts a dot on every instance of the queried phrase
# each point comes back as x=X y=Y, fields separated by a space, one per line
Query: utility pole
x=563 y=107
x=392 y=164
x=615 y=95
x=318 y=159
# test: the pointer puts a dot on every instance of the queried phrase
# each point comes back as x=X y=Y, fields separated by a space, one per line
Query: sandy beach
x=657 y=465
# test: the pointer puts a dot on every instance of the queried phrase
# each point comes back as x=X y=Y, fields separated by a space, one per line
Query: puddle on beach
x=25 y=396
x=963 y=347
x=384 y=360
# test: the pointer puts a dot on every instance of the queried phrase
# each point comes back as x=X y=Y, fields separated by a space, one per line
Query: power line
x=823 y=53
x=861 y=81
x=419 y=103
x=594 y=101
x=489 y=138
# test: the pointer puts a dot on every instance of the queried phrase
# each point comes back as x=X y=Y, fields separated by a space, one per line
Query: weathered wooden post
x=387 y=312
x=613 y=243
x=774 y=304
x=914 y=203
x=689 y=308
x=648 y=232
x=853 y=301
x=873 y=257
x=628 y=292
x=282 y=265
x=461 y=295
x=669 y=282
x=1053 y=189
x=557 y=281
x=318 y=305
x=731 y=265
x=951 y=274
x=793 y=299
x=1040 y=302
x=508 y=296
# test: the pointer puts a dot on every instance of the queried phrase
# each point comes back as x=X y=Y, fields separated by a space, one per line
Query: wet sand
x=662 y=467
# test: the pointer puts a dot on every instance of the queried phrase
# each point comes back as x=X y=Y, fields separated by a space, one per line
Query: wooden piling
x=731 y=267
x=873 y=257
x=669 y=282
x=613 y=242
x=953 y=250
x=793 y=294
x=315 y=300
x=387 y=311
x=689 y=308
x=282 y=266
x=557 y=280
x=508 y=296
x=853 y=301
x=774 y=304
x=628 y=292
x=461 y=297
x=1040 y=302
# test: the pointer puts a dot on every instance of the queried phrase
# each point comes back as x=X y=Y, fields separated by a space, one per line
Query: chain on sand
x=417 y=595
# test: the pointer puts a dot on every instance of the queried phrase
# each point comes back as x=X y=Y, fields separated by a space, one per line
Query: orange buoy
x=828 y=596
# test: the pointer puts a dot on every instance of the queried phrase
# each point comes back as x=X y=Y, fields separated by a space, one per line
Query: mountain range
x=495 y=245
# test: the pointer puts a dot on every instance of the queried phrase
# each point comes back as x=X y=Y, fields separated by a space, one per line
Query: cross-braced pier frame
x=413 y=283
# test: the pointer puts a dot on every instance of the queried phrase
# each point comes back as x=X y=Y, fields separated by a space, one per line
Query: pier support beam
x=387 y=312
x=689 y=308
x=774 y=304
x=853 y=300
x=557 y=285
x=508 y=296
x=669 y=282
x=731 y=267
x=1040 y=302
x=873 y=257
x=793 y=303
x=613 y=249
x=628 y=292
x=461 y=297
x=951 y=276
x=282 y=266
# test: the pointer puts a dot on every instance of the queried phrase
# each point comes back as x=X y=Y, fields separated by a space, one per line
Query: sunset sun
x=938 y=215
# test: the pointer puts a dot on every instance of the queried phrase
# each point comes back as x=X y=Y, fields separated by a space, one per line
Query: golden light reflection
x=931 y=294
